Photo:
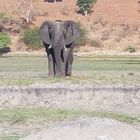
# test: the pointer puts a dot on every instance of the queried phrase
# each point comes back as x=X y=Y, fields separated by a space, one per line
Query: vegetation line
x=23 y=115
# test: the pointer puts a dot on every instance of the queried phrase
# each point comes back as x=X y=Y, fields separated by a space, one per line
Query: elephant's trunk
x=59 y=69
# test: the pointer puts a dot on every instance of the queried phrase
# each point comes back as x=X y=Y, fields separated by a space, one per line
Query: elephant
x=58 y=38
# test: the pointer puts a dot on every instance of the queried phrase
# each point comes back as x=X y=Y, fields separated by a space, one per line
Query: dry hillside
x=114 y=24
x=114 y=11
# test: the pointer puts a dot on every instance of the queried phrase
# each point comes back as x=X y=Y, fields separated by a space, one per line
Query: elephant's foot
x=68 y=74
x=50 y=74
x=59 y=75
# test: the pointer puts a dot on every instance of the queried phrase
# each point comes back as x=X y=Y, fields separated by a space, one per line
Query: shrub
x=85 y=6
x=31 y=38
x=130 y=49
x=4 y=40
x=82 y=40
x=95 y=43
x=2 y=15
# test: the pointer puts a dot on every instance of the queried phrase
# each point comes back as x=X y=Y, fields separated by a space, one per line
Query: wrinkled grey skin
x=58 y=37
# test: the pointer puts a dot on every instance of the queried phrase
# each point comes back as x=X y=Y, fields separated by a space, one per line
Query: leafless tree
x=26 y=10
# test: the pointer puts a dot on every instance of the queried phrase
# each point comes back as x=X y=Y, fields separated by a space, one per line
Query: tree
x=85 y=6
x=26 y=10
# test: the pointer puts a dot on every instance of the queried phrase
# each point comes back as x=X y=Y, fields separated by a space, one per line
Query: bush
x=82 y=40
x=4 y=40
x=95 y=43
x=2 y=15
x=130 y=49
x=31 y=38
x=85 y=6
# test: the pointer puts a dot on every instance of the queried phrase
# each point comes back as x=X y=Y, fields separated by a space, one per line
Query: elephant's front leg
x=51 y=63
x=69 y=64
x=69 y=60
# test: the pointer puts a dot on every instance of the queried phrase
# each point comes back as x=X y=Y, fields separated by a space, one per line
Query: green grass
x=21 y=116
x=101 y=70
x=25 y=70
x=15 y=137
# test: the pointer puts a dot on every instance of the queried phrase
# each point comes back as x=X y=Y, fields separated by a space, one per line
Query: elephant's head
x=58 y=34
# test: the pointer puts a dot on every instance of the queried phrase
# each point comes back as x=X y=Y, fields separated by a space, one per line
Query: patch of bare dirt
x=88 y=129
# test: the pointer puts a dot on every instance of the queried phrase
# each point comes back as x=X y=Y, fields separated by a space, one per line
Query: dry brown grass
x=102 y=32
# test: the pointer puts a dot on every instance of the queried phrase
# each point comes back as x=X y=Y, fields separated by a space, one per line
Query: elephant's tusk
x=50 y=46
x=65 y=48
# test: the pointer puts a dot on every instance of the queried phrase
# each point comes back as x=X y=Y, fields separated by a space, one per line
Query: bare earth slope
x=115 y=11
x=113 y=24
x=120 y=11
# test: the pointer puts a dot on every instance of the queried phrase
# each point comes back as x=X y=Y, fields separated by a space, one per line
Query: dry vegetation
x=105 y=36
x=102 y=34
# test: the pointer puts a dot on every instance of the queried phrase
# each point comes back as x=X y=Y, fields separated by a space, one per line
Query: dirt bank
x=118 y=98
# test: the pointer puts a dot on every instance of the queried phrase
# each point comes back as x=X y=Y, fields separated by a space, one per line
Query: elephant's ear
x=44 y=32
x=72 y=31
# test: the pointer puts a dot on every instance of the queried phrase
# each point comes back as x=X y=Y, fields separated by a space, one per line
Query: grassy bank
x=23 y=121
x=22 y=115
x=24 y=70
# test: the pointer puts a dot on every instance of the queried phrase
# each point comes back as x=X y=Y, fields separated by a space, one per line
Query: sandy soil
x=88 y=129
